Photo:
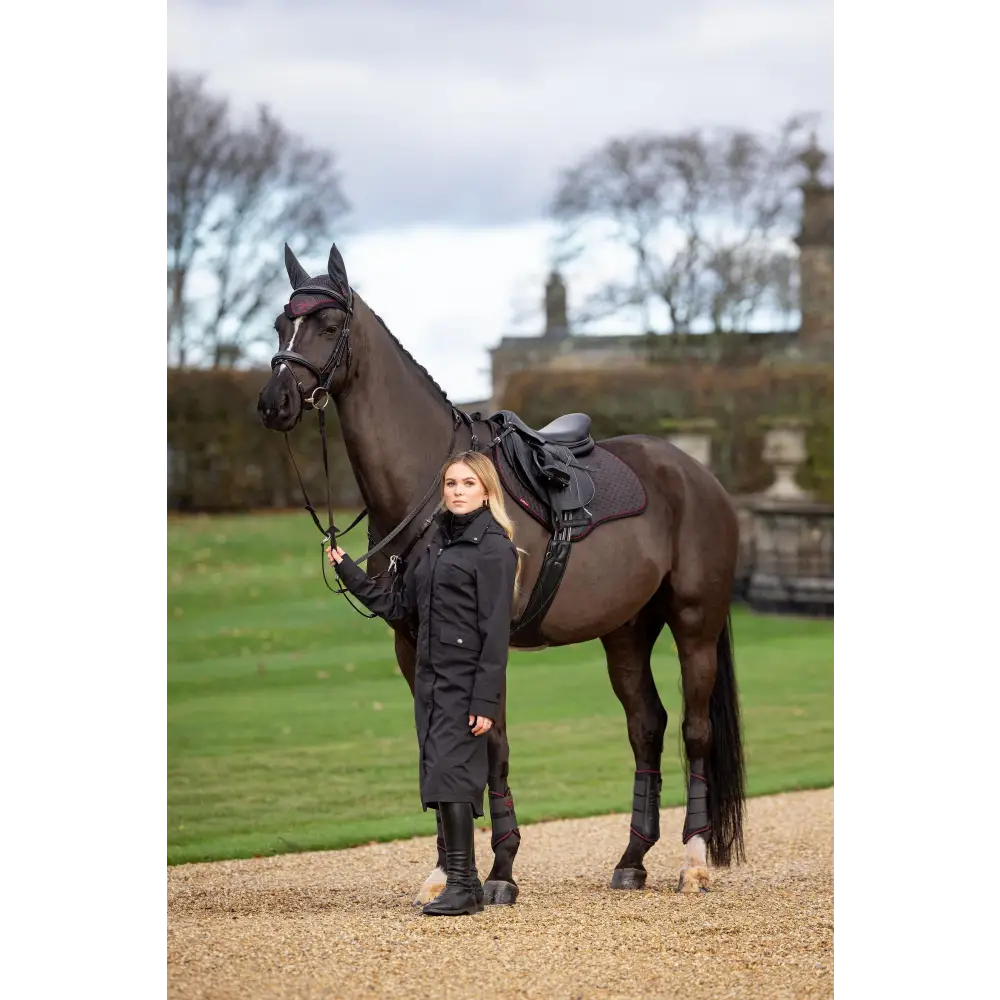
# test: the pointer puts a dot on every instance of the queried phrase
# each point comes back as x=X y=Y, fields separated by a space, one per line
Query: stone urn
x=785 y=451
x=693 y=437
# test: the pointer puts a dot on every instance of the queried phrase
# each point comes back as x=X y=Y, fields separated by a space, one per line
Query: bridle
x=341 y=351
x=324 y=380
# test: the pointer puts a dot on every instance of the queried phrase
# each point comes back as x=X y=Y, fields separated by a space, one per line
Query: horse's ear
x=296 y=272
x=336 y=270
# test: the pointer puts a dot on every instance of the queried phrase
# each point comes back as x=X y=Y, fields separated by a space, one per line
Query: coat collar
x=474 y=530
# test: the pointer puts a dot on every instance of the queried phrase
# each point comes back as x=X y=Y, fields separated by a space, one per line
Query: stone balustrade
x=785 y=561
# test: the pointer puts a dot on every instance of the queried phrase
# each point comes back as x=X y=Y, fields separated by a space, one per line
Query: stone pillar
x=693 y=437
x=815 y=242
x=556 y=318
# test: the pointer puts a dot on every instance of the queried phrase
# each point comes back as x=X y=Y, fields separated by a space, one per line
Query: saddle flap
x=548 y=473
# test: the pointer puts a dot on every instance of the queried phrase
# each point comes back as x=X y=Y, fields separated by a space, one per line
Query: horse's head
x=313 y=356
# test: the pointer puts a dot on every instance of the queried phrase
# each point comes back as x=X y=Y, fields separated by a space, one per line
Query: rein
x=324 y=377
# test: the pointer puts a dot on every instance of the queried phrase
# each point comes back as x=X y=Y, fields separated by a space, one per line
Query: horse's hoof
x=628 y=878
x=432 y=887
x=693 y=880
x=499 y=893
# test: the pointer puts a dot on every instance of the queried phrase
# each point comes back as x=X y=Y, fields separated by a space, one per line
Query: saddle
x=543 y=470
x=544 y=463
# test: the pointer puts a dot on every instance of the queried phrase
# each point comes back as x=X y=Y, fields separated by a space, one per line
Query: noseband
x=320 y=396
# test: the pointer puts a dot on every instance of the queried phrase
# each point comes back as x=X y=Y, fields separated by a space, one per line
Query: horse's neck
x=396 y=426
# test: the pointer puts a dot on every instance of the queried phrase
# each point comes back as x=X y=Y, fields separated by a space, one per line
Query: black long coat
x=460 y=590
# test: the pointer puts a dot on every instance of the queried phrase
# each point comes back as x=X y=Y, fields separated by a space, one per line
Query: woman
x=460 y=588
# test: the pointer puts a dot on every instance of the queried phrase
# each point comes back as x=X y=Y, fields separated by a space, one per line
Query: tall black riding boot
x=459 y=895
x=443 y=857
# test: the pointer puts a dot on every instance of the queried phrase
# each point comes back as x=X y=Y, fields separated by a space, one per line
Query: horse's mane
x=427 y=375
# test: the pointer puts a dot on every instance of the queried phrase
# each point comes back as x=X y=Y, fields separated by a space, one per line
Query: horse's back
x=692 y=505
x=665 y=468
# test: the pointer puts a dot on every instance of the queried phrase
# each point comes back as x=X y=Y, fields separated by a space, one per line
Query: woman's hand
x=335 y=554
x=481 y=724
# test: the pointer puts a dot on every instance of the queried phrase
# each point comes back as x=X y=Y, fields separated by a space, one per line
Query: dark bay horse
x=671 y=565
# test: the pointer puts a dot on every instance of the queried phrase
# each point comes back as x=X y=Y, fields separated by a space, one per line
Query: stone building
x=559 y=348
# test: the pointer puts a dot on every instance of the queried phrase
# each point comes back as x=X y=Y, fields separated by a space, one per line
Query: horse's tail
x=726 y=769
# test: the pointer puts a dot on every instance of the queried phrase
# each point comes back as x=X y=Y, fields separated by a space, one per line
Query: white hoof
x=432 y=887
x=694 y=880
x=694 y=873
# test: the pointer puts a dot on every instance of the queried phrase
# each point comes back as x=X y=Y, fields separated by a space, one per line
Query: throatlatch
x=502 y=817
x=696 y=819
x=646 y=806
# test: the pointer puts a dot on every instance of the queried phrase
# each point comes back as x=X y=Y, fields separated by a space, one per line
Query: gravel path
x=340 y=924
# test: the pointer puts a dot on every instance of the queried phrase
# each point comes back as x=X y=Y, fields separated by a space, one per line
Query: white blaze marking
x=295 y=330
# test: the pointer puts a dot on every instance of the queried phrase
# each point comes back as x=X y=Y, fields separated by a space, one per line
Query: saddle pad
x=619 y=492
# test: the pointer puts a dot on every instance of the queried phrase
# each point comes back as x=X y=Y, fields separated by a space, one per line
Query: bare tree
x=235 y=194
x=706 y=220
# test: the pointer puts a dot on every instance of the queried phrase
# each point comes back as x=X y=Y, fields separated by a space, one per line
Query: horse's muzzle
x=279 y=403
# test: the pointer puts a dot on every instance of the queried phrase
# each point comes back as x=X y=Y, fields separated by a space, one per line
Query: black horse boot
x=459 y=895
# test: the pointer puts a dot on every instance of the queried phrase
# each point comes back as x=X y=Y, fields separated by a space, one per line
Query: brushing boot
x=459 y=895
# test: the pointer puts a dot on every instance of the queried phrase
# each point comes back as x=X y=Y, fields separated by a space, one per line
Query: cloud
x=446 y=293
x=449 y=294
x=464 y=113
x=451 y=120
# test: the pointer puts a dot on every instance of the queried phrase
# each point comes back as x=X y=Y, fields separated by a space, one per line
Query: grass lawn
x=290 y=727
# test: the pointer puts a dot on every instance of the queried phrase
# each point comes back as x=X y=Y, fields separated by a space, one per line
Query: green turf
x=290 y=727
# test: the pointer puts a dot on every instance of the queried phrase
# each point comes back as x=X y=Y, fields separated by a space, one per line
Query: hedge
x=220 y=457
x=649 y=400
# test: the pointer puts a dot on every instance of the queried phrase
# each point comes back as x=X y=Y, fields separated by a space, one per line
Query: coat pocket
x=460 y=639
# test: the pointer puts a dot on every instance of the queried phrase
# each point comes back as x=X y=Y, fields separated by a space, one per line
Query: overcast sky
x=451 y=120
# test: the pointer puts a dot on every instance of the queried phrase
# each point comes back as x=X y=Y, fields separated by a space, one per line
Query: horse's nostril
x=286 y=401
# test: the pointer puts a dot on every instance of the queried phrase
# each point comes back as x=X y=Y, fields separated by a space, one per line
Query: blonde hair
x=486 y=472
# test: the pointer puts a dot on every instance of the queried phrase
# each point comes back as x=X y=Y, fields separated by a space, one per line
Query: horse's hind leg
x=628 y=650
x=698 y=667
x=712 y=744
